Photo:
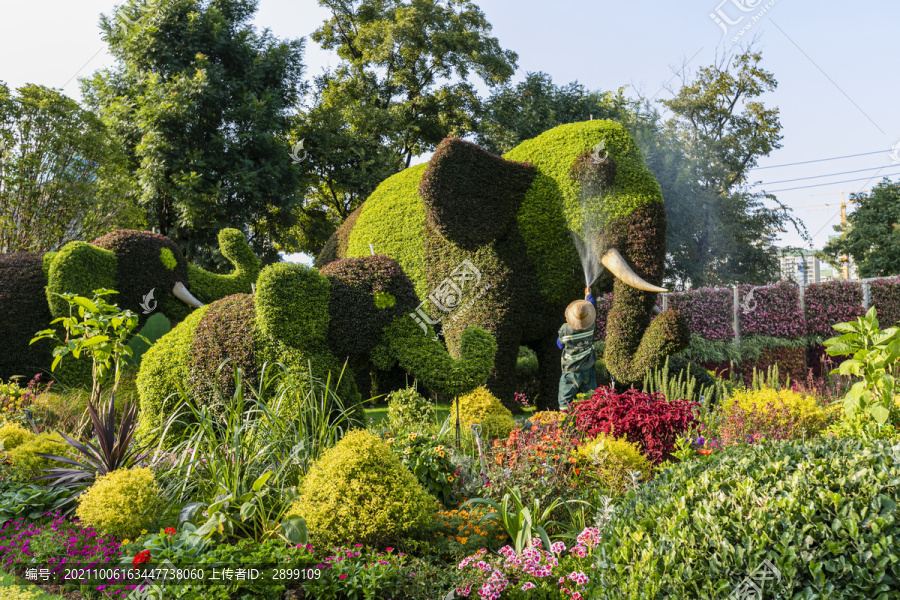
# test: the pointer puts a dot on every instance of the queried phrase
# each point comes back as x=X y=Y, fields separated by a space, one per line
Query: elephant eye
x=168 y=259
x=384 y=300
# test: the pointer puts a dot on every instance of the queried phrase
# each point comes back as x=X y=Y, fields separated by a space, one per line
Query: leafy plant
x=429 y=461
x=875 y=356
x=407 y=409
x=100 y=330
x=27 y=501
x=522 y=523
x=110 y=451
x=681 y=384
x=121 y=503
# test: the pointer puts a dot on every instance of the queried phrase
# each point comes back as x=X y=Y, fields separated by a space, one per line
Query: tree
x=404 y=83
x=720 y=232
x=515 y=113
x=201 y=101
x=60 y=176
x=872 y=237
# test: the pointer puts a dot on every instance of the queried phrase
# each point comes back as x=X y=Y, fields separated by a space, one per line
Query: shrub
x=832 y=302
x=547 y=417
x=773 y=311
x=360 y=492
x=13 y=435
x=483 y=408
x=814 y=509
x=709 y=312
x=751 y=415
x=429 y=461
x=25 y=457
x=608 y=461
x=885 y=295
x=408 y=408
x=121 y=503
x=648 y=420
x=23 y=304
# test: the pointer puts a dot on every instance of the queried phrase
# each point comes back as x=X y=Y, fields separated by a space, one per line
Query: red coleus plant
x=648 y=420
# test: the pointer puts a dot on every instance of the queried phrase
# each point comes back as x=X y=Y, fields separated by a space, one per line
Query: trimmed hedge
x=702 y=527
x=708 y=311
x=79 y=268
x=774 y=310
x=226 y=331
x=23 y=304
x=367 y=294
x=336 y=246
x=470 y=195
x=141 y=266
x=208 y=287
x=832 y=302
x=885 y=294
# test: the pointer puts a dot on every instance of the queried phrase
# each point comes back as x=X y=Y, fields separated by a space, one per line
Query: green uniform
x=578 y=358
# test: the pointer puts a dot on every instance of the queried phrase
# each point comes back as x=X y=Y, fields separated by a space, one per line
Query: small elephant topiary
x=354 y=312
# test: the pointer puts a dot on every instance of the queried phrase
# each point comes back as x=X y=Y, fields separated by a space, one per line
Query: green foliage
x=167 y=257
x=875 y=358
x=60 y=180
x=292 y=305
x=185 y=76
x=429 y=461
x=470 y=195
x=156 y=326
x=79 y=268
x=23 y=303
x=520 y=522
x=701 y=527
x=13 y=435
x=224 y=333
x=100 y=331
x=121 y=503
x=682 y=383
x=21 y=501
x=27 y=457
x=360 y=492
x=480 y=407
x=610 y=462
x=408 y=409
x=233 y=246
x=870 y=237
x=165 y=369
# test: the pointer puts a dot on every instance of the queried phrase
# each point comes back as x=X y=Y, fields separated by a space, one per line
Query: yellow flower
x=450 y=478
x=412 y=436
x=143 y=531
x=126 y=542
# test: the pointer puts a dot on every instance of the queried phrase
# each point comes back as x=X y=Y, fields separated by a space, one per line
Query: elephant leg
x=502 y=381
x=549 y=370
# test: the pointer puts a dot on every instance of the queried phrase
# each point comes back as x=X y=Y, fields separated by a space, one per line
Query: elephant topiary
x=147 y=270
x=356 y=310
x=469 y=217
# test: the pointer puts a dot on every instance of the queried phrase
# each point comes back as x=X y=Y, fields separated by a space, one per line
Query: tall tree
x=405 y=82
x=61 y=177
x=721 y=232
x=515 y=113
x=201 y=100
x=872 y=235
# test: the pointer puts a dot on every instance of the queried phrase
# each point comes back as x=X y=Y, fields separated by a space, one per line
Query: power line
x=806 y=162
x=821 y=176
x=803 y=187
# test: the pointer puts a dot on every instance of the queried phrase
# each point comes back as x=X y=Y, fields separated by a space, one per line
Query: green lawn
x=16 y=588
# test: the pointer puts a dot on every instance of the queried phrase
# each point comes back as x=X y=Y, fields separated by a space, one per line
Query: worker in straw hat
x=576 y=340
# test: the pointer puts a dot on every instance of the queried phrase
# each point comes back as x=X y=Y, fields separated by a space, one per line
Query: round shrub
x=648 y=420
x=752 y=415
x=359 y=492
x=25 y=461
x=482 y=407
x=121 y=503
x=608 y=461
x=823 y=512
x=13 y=435
x=408 y=408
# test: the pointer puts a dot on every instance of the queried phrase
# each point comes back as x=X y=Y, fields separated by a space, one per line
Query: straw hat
x=580 y=314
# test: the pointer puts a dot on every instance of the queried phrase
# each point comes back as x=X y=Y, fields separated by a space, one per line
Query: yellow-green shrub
x=25 y=457
x=360 y=492
x=548 y=417
x=770 y=413
x=121 y=503
x=408 y=408
x=13 y=435
x=484 y=408
x=608 y=460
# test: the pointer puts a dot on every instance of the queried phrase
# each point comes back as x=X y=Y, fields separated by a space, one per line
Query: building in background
x=803 y=267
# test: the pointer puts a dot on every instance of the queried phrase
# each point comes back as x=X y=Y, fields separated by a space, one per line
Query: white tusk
x=185 y=296
x=613 y=261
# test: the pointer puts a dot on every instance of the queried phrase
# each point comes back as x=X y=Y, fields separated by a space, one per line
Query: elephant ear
x=470 y=195
x=292 y=305
x=79 y=268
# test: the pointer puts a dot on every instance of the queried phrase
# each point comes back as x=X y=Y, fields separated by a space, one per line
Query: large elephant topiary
x=147 y=270
x=352 y=312
x=469 y=217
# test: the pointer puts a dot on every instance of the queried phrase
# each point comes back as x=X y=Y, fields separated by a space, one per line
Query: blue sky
x=835 y=63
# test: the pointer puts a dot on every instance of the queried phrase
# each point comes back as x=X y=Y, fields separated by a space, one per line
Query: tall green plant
x=875 y=357
x=522 y=523
x=683 y=385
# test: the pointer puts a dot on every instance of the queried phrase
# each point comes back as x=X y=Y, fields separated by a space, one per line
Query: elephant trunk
x=424 y=357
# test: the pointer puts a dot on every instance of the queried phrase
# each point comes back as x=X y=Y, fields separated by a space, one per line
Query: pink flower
x=344 y=576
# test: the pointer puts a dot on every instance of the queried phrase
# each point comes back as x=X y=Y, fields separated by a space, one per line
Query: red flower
x=141 y=558
x=170 y=530
x=388 y=549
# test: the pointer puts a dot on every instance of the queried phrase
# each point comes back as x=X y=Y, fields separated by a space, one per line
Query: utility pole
x=844 y=258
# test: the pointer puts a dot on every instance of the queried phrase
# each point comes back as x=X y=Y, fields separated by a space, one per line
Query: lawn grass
x=16 y=588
